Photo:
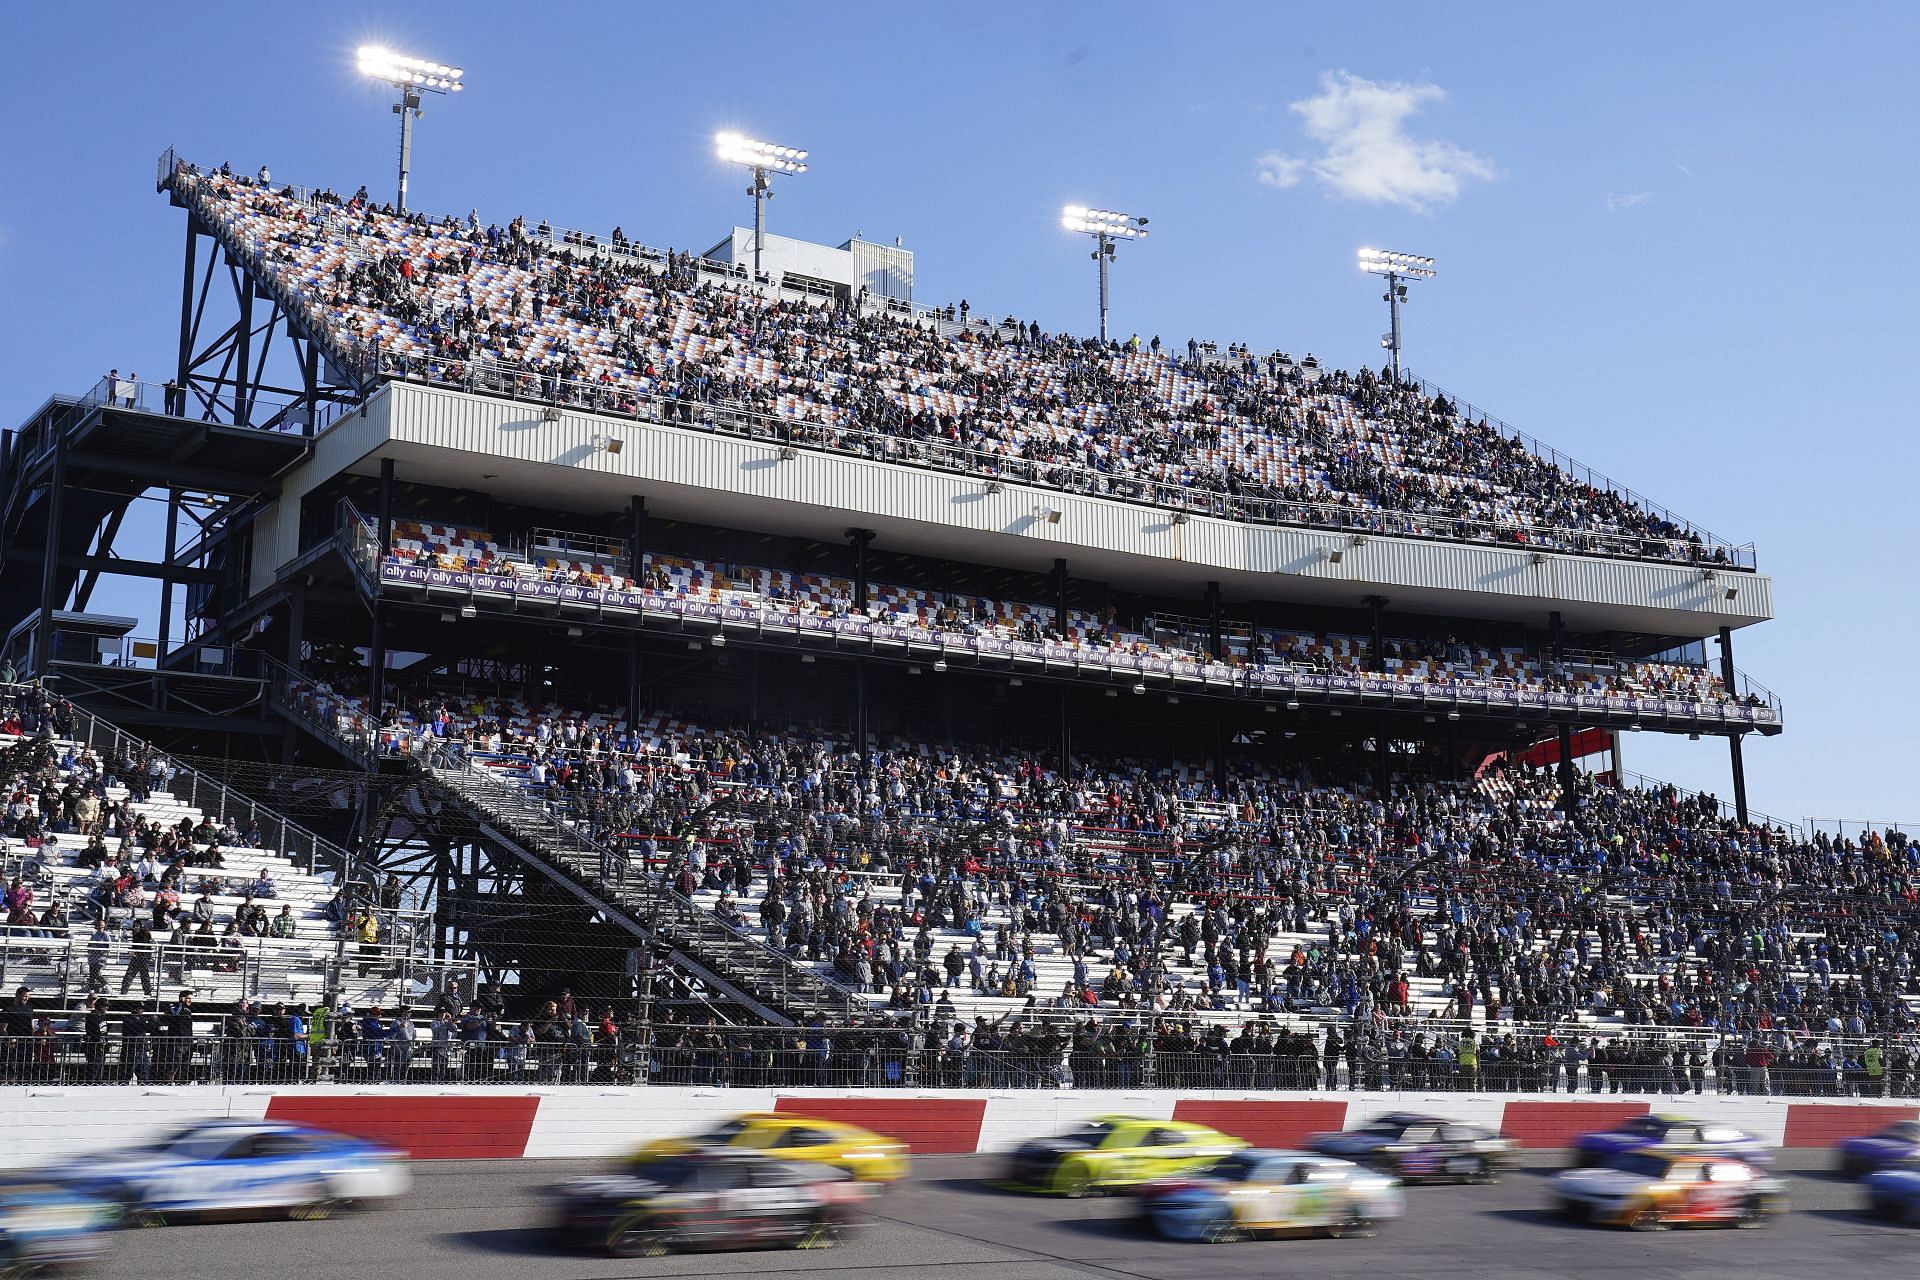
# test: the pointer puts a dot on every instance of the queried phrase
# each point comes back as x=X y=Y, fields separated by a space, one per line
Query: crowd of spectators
x=511 y=308
x=945 y=877
x=1445 y=662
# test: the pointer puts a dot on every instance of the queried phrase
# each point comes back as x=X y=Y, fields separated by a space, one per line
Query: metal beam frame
x=221 y=378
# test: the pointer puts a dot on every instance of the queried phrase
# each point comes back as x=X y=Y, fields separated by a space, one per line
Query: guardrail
x=70 y=970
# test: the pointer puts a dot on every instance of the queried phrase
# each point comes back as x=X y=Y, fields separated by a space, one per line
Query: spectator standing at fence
x=176 y=1058
x=137 y=1028
x=318 y=1029
x=443 y=1033
x=16 y=1025
x=99 y=949
x=93 y=1039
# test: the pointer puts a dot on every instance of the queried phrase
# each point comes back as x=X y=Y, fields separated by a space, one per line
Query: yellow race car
x=867 y=1156
x=1113 y=1152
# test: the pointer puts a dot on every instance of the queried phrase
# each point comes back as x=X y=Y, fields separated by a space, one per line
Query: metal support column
x=761 y=191
x=50 y=567
x=1556 y=637
x=1060 y=595
x=1566 y=769
x=408 y=109
x=1103 y=253
x=377 y=649
x=1216 y=634
x=1220 y=746
x=243 y=389
x=177 y=396
x=166 y=584
x=860 y=539
x=860 y=712
x=1376 y=643
x=1731 y=678
x=636 y=569
x=1066 y=732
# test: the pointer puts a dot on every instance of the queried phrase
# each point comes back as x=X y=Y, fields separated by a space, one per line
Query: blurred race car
x=1895 y=1194
x=1896 y=1146
x=1253 y=1193
x=44 y=1227
x=238 y=1167
x=1413 y=1146
x=1651 y=1189
x=1114 y=1152
x=865 y=1155
x=711 y=1198
x=1671 y=1133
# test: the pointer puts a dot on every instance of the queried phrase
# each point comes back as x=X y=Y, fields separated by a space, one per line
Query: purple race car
x=1670 y=1133
x=1895 y=1147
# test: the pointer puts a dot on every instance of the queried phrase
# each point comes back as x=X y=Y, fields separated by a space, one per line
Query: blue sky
x=1671 y=239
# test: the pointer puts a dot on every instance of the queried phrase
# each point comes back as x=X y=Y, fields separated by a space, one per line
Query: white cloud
x=1366 y=152
x=1277 y=170
x=1627 y=200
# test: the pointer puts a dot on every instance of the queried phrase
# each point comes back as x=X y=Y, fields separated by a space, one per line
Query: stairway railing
x=762 y=973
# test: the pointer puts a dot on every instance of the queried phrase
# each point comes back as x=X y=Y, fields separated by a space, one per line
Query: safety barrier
x=46 y=1123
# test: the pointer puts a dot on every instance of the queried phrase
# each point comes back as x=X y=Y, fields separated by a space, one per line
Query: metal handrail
x=318 y=853
x=1572 y=466
x=1642 y=782
x=531 y=819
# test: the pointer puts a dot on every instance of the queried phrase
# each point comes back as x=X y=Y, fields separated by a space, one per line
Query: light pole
x=762 y=158
x=1395 y=269
x=413 y=77
x=1107 y=228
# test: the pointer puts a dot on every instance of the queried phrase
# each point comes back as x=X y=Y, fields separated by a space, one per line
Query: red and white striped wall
x=40 y=1124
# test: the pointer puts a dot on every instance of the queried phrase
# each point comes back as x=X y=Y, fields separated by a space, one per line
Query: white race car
x=238 y=1167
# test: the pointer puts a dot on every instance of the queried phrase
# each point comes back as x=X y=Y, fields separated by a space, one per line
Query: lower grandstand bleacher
x=117 y=889
x=961 y=887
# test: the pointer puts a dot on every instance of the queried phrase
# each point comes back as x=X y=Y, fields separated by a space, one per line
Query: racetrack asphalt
x=475 y=1220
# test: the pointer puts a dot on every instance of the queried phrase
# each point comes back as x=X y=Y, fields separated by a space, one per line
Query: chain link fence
x=374 y=1049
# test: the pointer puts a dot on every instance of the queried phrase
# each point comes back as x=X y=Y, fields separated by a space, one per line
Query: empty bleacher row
x=509 y=309
x=1444 y=665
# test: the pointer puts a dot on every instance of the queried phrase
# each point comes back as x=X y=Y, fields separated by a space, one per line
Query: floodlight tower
x=1107 y=228
x=1395 y=269
x=762 y=158
x=413 y=77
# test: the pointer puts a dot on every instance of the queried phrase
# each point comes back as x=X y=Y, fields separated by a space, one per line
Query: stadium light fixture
x=1107 y=229
x=1396 y=269
x=764 y=159
x=413 y=77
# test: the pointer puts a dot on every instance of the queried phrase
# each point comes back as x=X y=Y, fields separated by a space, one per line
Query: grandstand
x=735 y=654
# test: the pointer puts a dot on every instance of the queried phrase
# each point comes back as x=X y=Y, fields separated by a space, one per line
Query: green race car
x=1113 y=1152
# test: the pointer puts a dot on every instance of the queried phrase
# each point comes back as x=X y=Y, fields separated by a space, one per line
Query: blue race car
x=1669 y=1133
x=238 y=1167
x=1896 y=1146
x=44 y=1227
x=1895 y=1194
